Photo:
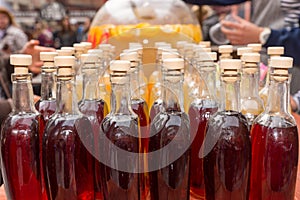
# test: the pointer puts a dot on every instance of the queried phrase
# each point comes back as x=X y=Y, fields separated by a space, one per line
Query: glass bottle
x=140 y=107
x=157 y=89
x=200 y=110
x=225 y=52
x=46 y=105
x=94 y=108
x=120 y=136
x=227 y=146
x=272 y=52
x=79 y=50
x=170 y=137
x=68 y=140
x=251 y=104
x=275 y=140
x=103 y=93
x=20 y=138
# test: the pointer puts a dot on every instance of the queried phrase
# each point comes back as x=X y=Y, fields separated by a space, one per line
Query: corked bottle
x=20 y=138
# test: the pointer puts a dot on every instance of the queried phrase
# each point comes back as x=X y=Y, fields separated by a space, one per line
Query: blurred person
x=32 y=48
x=12 y=38
x=66 y=36
x=83 y=30
x=43 y=34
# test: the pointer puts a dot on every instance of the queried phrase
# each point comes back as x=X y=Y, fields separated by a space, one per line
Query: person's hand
x=32 y=48
x=241 y=32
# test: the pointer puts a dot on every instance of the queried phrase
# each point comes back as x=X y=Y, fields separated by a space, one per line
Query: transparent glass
x=121 y=22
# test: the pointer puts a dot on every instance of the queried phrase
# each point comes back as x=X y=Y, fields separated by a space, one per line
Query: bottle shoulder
x=276 y=120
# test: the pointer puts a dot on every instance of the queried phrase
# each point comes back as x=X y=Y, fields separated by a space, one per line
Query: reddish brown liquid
x=20 y=157
x=46 y=108
x=68 y=166
x=227 y=166
x=172 y=181
x=274 y=162
x=95 y=110
x=140 y=107
x=120 y=185
x=198 y=120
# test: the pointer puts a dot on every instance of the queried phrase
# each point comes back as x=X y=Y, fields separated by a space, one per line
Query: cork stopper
x=225 y=49
x=98 y=52
x=88 y=45
x=48 y=58
x=89 y=58
x=120 y=65
x=173 y=63
x=275 y=51
x=230 y=69
x=166 y=55
x=72 y=49
x=242 y=50
x=162 y=45
x=209 y=56
x=21 y=63
x=119 y=69
x=130 y=56
x=79 y=47
x=255 y=47
x=180 y=44
x=251 y=61
x=105 y=47
x=207 y=44
x=188 y=47
x=65 y=64
x=251 y=57
x=65 y=52
x=280 y=66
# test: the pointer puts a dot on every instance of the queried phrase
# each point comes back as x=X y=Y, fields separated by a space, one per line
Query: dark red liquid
x=170 y=182
x=95 y=110
x=198 y=120
x=274 y=162
x=20 y=157
x=140 y=107
x=227 y=165
x=121 y=131
x=46 y=108
x=68 y=166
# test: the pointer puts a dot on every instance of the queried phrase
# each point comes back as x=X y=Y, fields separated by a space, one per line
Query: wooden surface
x=297 y=192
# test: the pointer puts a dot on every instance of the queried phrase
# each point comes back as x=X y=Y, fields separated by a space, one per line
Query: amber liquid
x=95 y=110
x=68 y=166
x=227 y=165
x=20 y=157
x=199 y=116
x=172 y=181
x=120 y=185
x=274 y=162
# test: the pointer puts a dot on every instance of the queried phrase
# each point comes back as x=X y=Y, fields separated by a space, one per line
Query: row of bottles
x=225 y=146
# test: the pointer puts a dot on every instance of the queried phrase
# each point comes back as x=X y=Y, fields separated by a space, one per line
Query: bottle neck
x=120 y=98
x=230 y=94
x=173 y=92
x=208 y=75
x=135 y=83
x=48 y=86
x=278 y=97
x=250 y=80
x=22 y=94
x=66 y=96
x=90 y=83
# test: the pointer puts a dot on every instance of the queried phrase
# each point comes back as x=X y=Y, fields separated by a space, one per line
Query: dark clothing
x=65 y=39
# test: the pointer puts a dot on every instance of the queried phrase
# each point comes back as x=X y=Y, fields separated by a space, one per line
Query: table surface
x=297 y=192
